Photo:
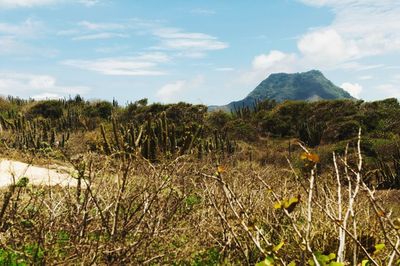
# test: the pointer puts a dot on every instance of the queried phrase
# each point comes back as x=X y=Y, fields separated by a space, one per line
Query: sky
x=208 y=52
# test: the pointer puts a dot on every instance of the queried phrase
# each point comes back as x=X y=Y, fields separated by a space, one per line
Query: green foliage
x=208 y=257
x=11 y=258
x=218 y=120
x=192 y=200
x=325 y=260
x=22 y=182
x=52 y=109
x=101 y=109
x=268 y=261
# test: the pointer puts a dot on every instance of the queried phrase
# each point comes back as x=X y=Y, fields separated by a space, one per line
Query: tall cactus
x=106 y=145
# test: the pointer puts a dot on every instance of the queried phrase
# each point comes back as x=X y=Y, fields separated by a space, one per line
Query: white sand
x=37 y=175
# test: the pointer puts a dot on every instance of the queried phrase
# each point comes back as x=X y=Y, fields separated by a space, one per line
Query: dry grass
x=190 y=212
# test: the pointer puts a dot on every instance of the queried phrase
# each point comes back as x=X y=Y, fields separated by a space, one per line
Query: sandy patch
x=14 y=170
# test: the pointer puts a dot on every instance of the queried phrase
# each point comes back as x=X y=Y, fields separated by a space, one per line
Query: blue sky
x=208 y=51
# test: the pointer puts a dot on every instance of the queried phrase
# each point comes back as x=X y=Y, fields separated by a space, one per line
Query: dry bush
x=128 y=211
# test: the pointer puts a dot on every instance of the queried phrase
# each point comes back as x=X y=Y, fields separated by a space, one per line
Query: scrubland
x=279 y=184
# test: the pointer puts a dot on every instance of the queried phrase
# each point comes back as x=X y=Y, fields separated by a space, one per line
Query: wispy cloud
x=29 y=28
x=176 y=39
x=366 y=77
x=26 y=3
x=38 y=3
x=89 y=3
x=389 y=90
x=100 y=36
x=87 y=30
x=203 y=11
x=35 y=85
x=141 y=65
x=19 y=39
x=101 y=26
x=224 y=69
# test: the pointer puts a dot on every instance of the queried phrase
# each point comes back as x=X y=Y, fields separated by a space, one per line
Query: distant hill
x=307 y=86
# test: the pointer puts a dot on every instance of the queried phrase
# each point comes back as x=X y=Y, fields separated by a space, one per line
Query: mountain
x=308 y=86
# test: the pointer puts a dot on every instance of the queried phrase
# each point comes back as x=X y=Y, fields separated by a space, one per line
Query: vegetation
x=291 y=183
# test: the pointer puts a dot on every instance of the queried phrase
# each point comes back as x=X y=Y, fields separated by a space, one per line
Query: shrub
x=218 y=119
x=48 y=109
x=102 y=109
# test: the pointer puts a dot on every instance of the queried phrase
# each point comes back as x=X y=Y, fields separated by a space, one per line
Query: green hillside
x=308 y=86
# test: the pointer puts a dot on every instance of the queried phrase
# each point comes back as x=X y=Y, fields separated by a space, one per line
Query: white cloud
x=87 y=30
x=203 y=11
x=172 y=92
x=177 y=42
x=25 y=3
x=327 y=47
x=354 y=89
x=89 y=3
x=366 y=77
x=18 y=39
x=42 y=82
x=37 y=3
x=11 y=46
x=265 y=64
x=46 y=96
x=265 y=61
x=100 y=36
x=224 y=69
x=361 y=28
x=26 y=29
x=101 y=26
x=353 y=65
x=192 y=42
x=32 y=85
x=8 y=45
x=168 y=91
x=141 y=65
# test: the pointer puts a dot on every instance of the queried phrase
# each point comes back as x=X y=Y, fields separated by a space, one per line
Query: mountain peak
x=309 y=86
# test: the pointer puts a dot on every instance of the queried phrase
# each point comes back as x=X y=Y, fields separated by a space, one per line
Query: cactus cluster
x=159 y=138
x=34 y=134
x=155 y=135
x=388 y=174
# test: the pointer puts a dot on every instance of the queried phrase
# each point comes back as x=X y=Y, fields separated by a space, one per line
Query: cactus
x=173 y=139
x=106 y=145
x=311 y=133
x=53 y=138
x=116 y=136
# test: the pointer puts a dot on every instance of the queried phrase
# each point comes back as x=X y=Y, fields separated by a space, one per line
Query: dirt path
x=14 y=170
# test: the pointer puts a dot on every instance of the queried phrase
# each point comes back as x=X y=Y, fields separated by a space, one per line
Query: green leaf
x=292 y=263
x=365 y=263
x=332 y=256
x=278 y=247
x=22 y=182
x=334 y=263
x=269 y=261
x=378 y=248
